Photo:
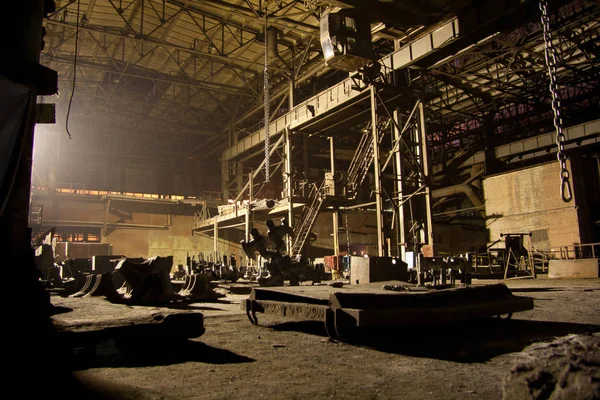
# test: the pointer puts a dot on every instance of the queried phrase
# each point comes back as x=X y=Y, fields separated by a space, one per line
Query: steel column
x=250 y=186
x=216 y=239
x=425 y=167
x=400 y=228
x=377 y=172
x=239 y=176
x=225 y=179
x=287 y=179
x=247 y=231
x=335 y=213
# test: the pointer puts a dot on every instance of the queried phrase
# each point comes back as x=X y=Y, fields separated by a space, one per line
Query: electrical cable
x=74 y=69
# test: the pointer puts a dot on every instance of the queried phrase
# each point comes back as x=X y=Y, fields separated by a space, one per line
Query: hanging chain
x=550 y=53
x=347 y=233
x=266 y=98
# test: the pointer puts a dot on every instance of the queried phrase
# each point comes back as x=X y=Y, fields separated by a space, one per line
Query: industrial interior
x=347 y=172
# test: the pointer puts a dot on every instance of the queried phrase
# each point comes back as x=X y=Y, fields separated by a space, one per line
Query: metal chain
x=266 y=98
x=347 y=233
x=550 y=54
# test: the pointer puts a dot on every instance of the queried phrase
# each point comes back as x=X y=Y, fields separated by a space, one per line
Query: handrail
x=572 y=251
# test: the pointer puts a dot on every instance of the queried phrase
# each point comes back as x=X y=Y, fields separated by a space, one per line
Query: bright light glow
x=327 y=49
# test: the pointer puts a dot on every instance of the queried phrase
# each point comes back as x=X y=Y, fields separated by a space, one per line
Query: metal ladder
x=363 y=157
x=309 y=216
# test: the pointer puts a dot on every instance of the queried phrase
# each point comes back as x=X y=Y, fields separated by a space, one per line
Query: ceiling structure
x=190 y=66
x=182 y=78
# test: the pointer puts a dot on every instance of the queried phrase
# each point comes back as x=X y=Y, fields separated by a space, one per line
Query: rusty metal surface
x=370 y=305
x=296 y=311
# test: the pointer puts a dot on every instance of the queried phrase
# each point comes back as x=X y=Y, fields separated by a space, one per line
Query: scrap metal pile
x=132 y=281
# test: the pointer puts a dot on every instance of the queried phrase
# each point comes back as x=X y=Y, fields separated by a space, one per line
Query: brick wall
x=529 y=200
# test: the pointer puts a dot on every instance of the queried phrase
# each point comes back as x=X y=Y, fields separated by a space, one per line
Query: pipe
x=458 y=189
x=272 y=41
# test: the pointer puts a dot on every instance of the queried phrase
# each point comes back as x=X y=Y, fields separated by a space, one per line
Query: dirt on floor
x=279 y=359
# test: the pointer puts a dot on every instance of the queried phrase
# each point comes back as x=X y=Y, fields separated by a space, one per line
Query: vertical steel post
x=251 y=187
x=216 y=239
x=287 y=181
x=225 y=180
x=425 y=166
x=247 y=231
x=377 y=172
x=335 y=214
x=291 y=95
x=239 y=176
x=400 y=229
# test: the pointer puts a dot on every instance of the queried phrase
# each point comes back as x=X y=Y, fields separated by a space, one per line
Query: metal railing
x=573 y=251
x=309 y=216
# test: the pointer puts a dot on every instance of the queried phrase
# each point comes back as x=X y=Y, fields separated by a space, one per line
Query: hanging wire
x=74 y=70
x=266 y=98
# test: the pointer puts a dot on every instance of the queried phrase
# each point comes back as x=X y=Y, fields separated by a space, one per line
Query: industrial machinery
x=511 y=260
x=346 y=40
x=279 y=265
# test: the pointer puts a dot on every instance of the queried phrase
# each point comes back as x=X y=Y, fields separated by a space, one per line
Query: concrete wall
x=148 y=230
x=528 y=200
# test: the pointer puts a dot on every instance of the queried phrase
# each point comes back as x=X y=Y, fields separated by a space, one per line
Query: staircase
x=38 y=238
x=309 y=216
x=363 y=157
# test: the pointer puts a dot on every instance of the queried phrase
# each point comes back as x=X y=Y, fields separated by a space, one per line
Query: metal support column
x=304 y=161
x=251 y=186
x=377 y=172
x=291 y=95
x=400 y=228
x=287 y=181
x=105 y=225
x=225 y=180
x=216 y=240
x=247 y=231
x=239 y=176
x=335 y=214
x=426 y=178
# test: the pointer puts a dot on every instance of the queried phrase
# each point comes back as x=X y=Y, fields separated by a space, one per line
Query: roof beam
x=225 y=59
x=280 y=22
x=152 y=75
x=396 y=14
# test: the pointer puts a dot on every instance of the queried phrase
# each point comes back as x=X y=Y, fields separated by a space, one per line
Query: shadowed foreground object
x=359 y=306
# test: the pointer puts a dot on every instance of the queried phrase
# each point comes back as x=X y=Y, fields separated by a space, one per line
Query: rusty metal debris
x=136 y=281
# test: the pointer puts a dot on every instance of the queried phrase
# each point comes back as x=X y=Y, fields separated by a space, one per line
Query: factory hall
x=300 y=199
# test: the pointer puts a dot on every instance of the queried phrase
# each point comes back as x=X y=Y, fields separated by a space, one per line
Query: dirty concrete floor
x=295 y=360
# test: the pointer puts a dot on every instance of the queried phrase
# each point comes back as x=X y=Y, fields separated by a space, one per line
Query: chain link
x=266 y=98
x=550 y=55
